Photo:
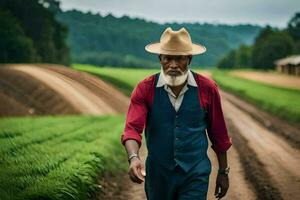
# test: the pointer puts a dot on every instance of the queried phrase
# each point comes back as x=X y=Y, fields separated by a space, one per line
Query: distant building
x=289 y=65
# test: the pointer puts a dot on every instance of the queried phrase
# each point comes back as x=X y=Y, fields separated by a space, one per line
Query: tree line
x=30 y=33
x=269 y=45
x=120 y=41
x=39 y=31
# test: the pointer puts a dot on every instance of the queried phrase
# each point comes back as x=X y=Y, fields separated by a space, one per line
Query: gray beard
x=174 y=80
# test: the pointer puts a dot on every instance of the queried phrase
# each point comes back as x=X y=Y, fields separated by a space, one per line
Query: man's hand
x=222 y=185
x=136 y=170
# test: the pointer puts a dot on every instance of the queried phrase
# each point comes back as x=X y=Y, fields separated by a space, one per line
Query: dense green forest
x=29 y=32
x=270 y=44
x=39 y=31
x=108 y=40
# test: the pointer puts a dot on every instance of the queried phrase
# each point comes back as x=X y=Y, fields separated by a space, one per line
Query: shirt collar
x=190 y=80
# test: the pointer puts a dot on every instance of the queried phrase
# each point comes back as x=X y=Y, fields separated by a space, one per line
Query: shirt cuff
x=222 y=148
x=131 y=135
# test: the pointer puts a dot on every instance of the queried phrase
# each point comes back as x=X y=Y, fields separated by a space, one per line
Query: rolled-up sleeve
x=217 y=130
x=136 y=116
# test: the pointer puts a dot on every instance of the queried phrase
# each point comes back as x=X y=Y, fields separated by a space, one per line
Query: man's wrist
x=133 y=155
x=224 y=171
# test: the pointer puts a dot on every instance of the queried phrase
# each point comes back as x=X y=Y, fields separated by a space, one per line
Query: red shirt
x=142 y=99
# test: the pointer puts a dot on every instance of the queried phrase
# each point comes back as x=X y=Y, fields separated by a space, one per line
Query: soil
x=48 y=87
x=277 y=156
x=33 y=98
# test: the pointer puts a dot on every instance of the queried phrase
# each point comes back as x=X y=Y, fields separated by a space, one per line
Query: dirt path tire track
x=113 y=97
x=279 y=158
x=256 y=174
x=239 y=186
x=85 y=100
x=291 y=133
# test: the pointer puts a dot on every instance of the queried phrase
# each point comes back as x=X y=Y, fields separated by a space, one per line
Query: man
x=176 y=107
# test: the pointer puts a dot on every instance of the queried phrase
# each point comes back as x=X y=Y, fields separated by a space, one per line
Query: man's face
x=174 y=68
x=174 y=65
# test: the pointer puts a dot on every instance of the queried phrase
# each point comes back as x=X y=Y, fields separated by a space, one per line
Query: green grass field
x=281 y=102
x=124 y=79
x=58 y=157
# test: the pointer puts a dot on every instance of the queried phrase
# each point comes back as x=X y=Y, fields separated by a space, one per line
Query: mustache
x=174 y=72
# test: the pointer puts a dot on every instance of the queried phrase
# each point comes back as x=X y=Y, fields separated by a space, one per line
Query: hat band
x=175 y=49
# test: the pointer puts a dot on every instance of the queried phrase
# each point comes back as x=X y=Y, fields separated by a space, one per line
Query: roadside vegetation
x=279 y=101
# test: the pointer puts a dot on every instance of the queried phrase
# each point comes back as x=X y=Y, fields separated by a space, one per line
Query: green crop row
x=58 y=157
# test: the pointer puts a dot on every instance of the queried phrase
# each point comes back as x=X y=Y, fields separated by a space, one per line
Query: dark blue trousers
x=164 y=184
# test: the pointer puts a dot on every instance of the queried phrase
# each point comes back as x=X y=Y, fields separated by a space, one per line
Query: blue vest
x=176 y=138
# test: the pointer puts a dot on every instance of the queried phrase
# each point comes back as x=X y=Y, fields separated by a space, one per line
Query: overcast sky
x=262 y=12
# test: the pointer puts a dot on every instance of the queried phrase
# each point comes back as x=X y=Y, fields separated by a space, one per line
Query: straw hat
x=175 y=43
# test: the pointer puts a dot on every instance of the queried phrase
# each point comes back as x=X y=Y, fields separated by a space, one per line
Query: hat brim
x=156 y=48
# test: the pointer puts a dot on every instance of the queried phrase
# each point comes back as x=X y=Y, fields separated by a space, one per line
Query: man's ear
x=190 y=59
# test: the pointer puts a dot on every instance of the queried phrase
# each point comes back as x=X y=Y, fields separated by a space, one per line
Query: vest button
x=177 y=138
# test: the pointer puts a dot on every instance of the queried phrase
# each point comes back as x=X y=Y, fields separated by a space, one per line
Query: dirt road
x=279 y=158
x=239 y=187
